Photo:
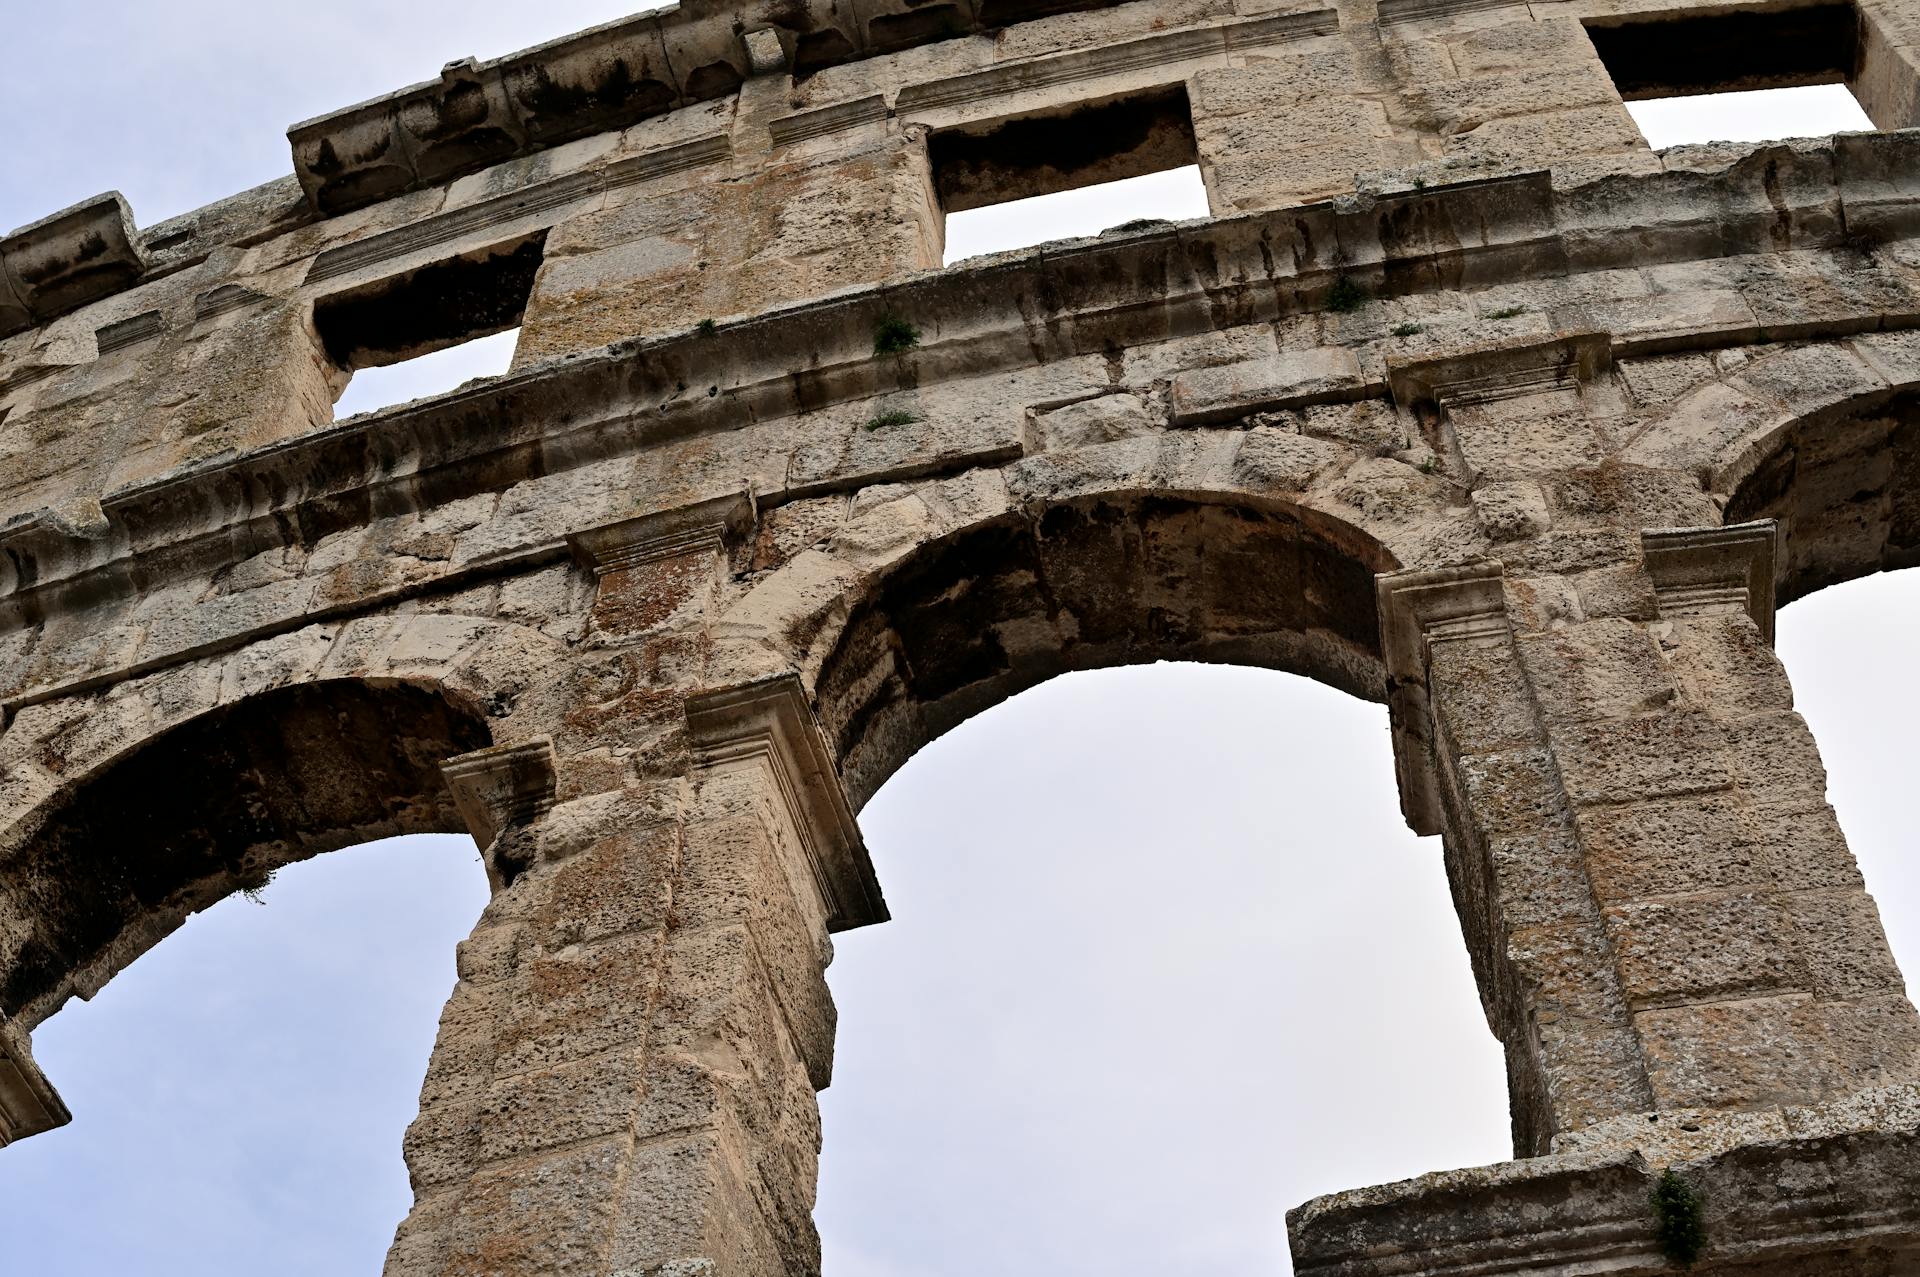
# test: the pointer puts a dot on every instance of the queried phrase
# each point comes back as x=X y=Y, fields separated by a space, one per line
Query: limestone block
x=1093 y=421
x=547 y=1108
x=551 y=1213
x=579 y=1001
x=1345 y=137
x=1839 y=941
x=1510 y=511
x=1658 y=755
x=1729 y=945
x=1603 y=669
x=1480 y=697
x=1204 y=396
x=1743 y=1054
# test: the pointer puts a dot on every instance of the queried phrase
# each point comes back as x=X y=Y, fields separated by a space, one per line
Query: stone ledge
x=1840 y=1200
x=478 y=114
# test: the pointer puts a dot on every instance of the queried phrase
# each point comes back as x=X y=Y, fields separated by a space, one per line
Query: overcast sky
x=1164 y=962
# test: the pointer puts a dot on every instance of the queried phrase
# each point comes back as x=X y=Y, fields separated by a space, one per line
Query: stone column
x=625 y=1076
x=1663 y=912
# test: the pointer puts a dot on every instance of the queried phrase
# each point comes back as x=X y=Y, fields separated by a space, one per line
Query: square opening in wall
x=1746 y=76
x=1012 y=183
x=428 y=331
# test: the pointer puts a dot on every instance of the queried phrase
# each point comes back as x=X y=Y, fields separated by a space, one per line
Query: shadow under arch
x=125 y=853
x=1843 y=484
x=1119 y=578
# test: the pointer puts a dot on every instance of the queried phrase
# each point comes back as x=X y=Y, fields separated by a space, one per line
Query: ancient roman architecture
x=1464 y=400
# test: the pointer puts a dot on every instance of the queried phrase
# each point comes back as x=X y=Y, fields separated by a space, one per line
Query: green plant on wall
x=1677 y=1221
x=893 y=335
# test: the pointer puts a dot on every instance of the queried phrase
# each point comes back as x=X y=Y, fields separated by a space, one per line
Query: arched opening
x=1165 y=961
x=240 y=1091
x=1163 y=951
x=247 y=1087
x=1844 y=486
x=211 y=807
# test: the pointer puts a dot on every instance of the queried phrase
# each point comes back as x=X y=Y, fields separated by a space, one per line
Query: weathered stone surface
x=1521 y=428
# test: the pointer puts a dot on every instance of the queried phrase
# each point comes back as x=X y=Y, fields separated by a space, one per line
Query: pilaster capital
x=1418 y=609
x=773 y=722
x=1704 y=571
x=28 y=1103
x=502 y=786
x=663 y=534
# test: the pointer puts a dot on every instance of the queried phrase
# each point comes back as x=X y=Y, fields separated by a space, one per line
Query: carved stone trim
x=1704 y=571
x=62 y=262
x=1567 y=362
x=772 y=720
x=663 y=534
x=28 y=1103
x=1161 y=49
x=501 y=787
x=1417 y=610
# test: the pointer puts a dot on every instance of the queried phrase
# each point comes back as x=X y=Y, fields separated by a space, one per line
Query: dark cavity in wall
x=1729 y=52
x=450 y=302
x=992 y=163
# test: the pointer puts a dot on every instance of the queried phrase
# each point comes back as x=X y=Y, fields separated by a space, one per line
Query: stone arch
x=980 y=614
x=1328 y=517
x=155 y=798
x=1821 y=437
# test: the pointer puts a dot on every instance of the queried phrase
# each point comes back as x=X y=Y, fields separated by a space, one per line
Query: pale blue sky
x=1165 y=961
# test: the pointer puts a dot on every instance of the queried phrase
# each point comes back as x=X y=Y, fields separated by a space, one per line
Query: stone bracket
x=499 y=788
x=663 y=534
x=1705 y=571
x=772 y=720
x=1490 y=374
x=62 y=262
x=28 y=1103
x=1417 y=610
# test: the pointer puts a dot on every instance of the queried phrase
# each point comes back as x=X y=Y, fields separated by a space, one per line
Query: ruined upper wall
x=702 y=163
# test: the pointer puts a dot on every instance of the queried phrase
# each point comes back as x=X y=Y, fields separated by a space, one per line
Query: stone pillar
x=625 y=1076
x=1662 y=910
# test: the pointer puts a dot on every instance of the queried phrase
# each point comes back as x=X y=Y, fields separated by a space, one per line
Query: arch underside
x=210 y=807
x=980 y=615
x=1844 y=486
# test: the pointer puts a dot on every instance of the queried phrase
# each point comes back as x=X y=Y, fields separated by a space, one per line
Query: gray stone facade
x=1463 y=400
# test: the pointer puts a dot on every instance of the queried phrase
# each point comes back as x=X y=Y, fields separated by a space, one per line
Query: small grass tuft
x=893 y=335
x=1408 y=330
x=892 y=417
x=1506 y=312
x=1345 y=296
x=1677 y=1223
x=707 y=328
x=1428 y=465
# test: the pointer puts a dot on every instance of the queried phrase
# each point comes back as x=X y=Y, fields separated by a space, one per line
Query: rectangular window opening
x=1010 y=184
x=1745 y=76
x=430 y=330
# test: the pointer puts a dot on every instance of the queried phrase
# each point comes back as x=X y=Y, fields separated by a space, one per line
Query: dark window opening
x=1730 y=52
x=429 y=329
x=1748 y=76
x=1098 y=145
